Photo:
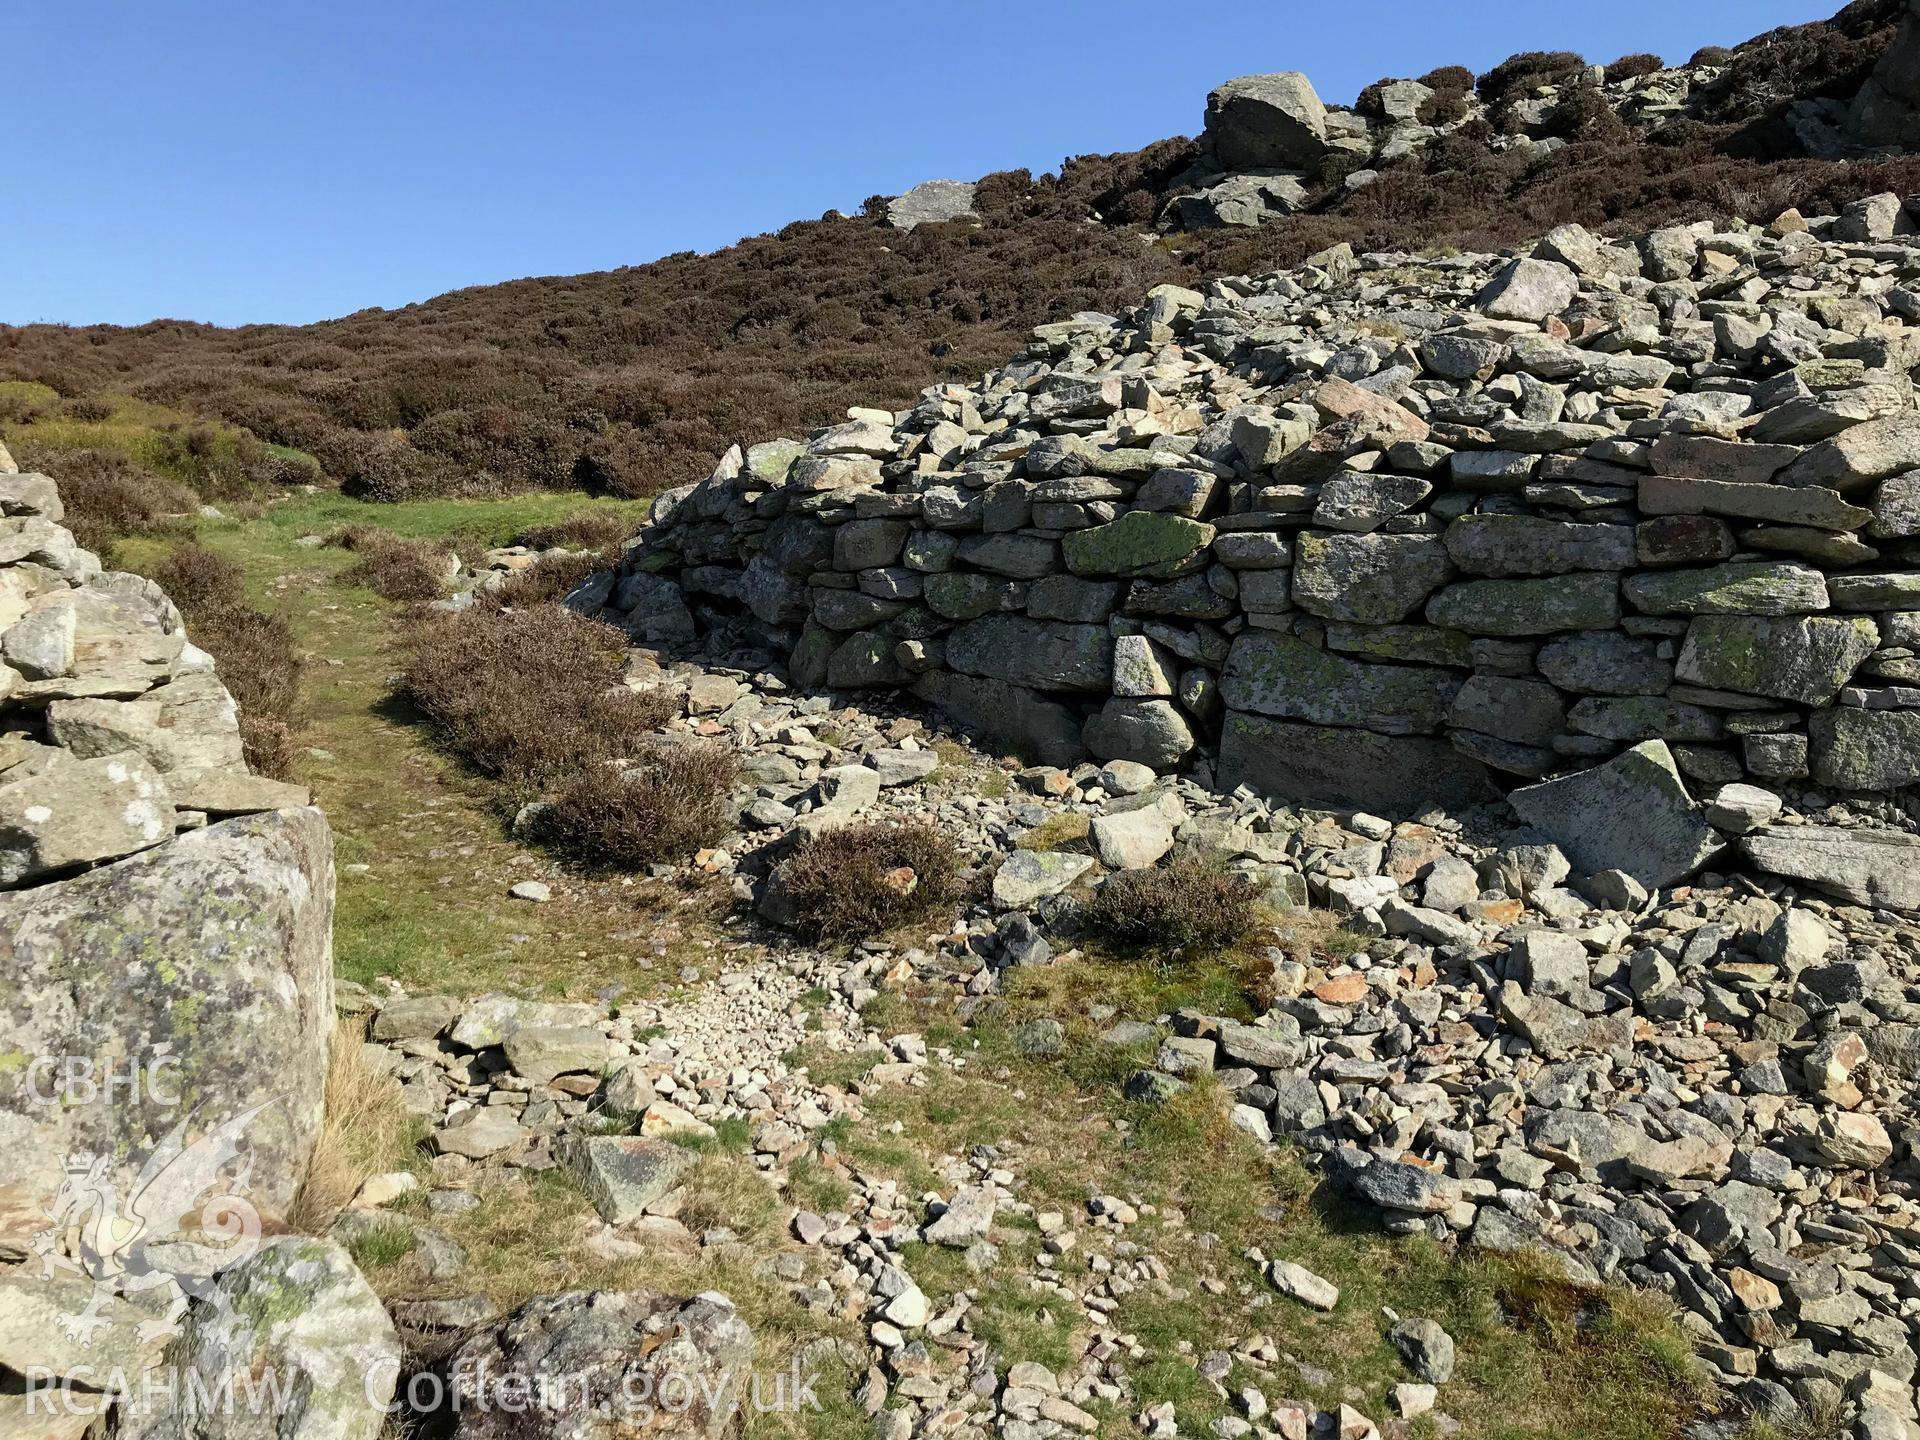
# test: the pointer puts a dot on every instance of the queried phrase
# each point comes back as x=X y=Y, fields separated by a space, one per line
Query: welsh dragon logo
x=185 y=1219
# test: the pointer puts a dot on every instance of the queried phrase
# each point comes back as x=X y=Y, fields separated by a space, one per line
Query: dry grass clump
x=1191 y=903
x=366 y=1130
x=583 y=530
x=531 y=697
x=391 y=567
x=863 y=880
x=550 y=578
x=107 y=496
x=252 y=651
x=673 y=799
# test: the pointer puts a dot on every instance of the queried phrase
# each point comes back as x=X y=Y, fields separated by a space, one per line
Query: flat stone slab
x=1631 y=814
x=1356 y=769
x=1862 y=867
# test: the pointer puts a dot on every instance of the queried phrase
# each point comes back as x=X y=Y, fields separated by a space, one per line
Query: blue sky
x=252 y=160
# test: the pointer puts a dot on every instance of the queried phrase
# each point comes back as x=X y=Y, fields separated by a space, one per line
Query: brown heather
x=632 y=380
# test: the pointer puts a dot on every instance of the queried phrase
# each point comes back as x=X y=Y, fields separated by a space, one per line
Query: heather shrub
x=107 y=496
x=531 y=696
x=583 y=530
x=1190 y=903
x=253 y=652
x=1629 y=67
x=673 y=799
x=89 y=408
x=392 y=567
x=1520 y=73
x=862 y=880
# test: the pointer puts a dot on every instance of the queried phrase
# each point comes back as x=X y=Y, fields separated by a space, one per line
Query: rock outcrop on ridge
x=1385 y=530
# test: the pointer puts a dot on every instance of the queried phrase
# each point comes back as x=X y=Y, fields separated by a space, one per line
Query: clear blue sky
x=250 y=160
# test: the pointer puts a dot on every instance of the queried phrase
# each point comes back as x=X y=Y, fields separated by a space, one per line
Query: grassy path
x=425 y=859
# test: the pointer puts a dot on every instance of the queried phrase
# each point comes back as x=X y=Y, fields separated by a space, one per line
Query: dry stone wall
x=166 y=961
x=1380 y=530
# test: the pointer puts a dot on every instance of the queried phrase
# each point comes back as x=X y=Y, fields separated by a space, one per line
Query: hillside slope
x=633 y=379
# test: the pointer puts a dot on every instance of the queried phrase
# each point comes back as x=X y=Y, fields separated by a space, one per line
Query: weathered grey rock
x=625 y=1174
x=1511 y=545
x=1358 y=769
x=541 y=1053
x=1810 y=505
x=1134 y=833
x=688 y=1362
x=1528 y=290
x=1140 y=542
x=1860 y=455
x=297 y=1311
x=1372 y=579
x=1028 y=876
x=1528 y=607
x=1801 y=658
x=930 y=202
x=1631 y=814
x=1865 y=749
x=1526 y=712
x=1004 y=715
x=492 y=1018
x=1746 y=588
x=1425 y=1348
x=1602 y=662
x=1266 y=122
x=80 y=812
x=1278 y=675
x=1146 y=731
x=1358 y=503
x=479 y=1132
x=1742 y=809
x=1042 y=654
x=233 y=921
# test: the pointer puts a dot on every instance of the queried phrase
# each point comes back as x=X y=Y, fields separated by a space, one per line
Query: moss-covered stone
x=1274 y=674
x=1743 y=588
x=1140 y=542
x=1800 y=658
x=1529 y=607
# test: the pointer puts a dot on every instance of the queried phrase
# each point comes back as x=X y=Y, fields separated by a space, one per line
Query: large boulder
x=930 y=202
x=1353 y=769
x=296 y=1324
x=1275 y=674
x=1886 y=111
x=1006 y=716
x=182 y=995
x=617 y=1363
x=1631 y=814
x=1266 y=122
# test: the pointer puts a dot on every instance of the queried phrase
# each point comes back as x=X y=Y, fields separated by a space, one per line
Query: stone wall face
x=166 y=961
x=1381 y=529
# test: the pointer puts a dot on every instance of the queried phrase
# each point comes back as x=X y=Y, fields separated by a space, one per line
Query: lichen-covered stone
x=611 y=1363
x=1631 y=814
x=1312 y=765
x=1865 y=749
x=1140 y=542
x=296 y=1315
x=1801 y=658
x=1373 y=579
x=80 y=812
x=1742 y=588
x=1512 y=545
x=1529 y=607
x=215 y=949
x=1281 y=676
x=1042 y=654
